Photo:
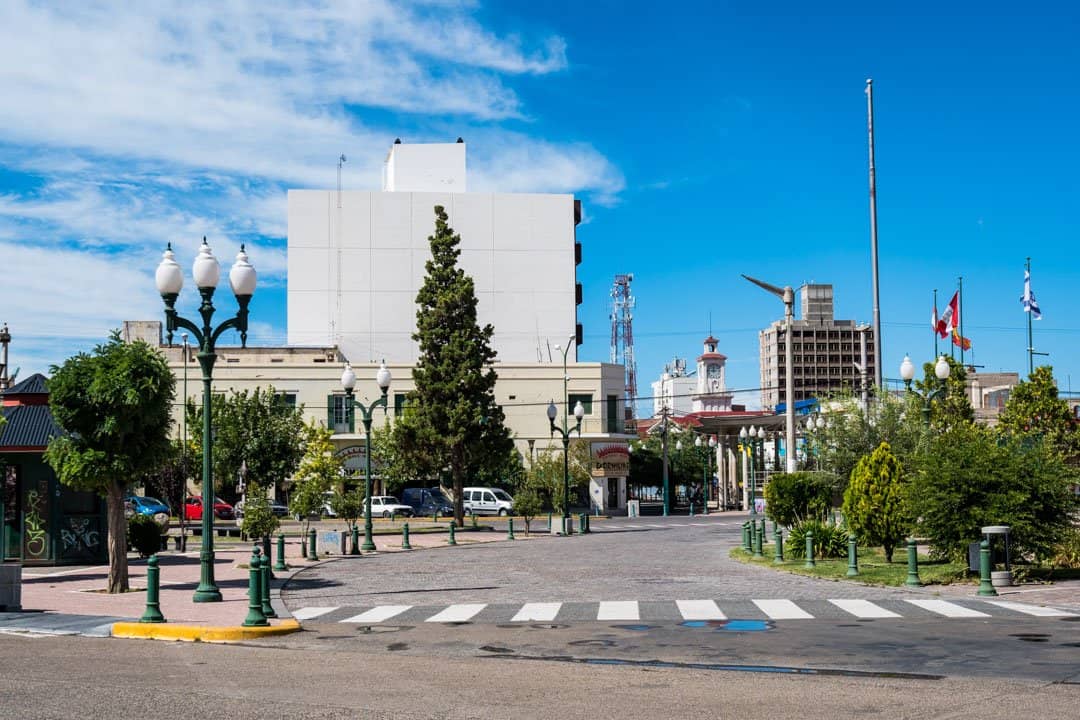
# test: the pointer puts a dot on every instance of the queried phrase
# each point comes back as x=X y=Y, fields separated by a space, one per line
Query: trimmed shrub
x=793 y=497
x=143 y=535
x=874 y=504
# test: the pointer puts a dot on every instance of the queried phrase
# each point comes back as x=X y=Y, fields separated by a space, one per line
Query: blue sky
x=704 y=139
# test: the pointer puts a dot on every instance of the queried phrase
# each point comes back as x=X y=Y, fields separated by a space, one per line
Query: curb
x=201 y=633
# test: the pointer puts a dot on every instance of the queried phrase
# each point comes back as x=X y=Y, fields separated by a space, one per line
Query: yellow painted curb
x=200 y=633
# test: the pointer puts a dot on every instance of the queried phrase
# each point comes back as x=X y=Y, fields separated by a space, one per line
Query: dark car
x=426 y=501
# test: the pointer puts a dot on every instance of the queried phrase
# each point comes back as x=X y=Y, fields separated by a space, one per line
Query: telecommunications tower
x=622 y=338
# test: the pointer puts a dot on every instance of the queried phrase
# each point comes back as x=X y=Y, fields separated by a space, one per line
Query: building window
x=289 y=398
x=399 y=404
x=573 y=399
x=613 y=414
x=337 y=416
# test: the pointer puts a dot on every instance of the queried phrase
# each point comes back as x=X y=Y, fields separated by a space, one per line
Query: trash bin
x=999 y=578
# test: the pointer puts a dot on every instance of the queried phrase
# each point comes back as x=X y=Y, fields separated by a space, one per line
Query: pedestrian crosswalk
x=682 y=610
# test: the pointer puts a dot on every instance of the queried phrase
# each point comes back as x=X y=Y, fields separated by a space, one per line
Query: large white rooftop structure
x=356 y=260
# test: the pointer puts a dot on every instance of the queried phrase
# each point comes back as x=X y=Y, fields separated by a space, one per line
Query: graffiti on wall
x=80 y=538
x=36 y=535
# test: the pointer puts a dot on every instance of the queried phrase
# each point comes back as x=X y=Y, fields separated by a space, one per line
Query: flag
x=1028 y=298
x=950 y=319
x=960 y=341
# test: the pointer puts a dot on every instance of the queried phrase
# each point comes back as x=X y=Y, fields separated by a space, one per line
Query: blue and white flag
x=1028 y=298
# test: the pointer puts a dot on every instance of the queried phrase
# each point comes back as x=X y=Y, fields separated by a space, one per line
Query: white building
x=673 y=390
x=356 y=260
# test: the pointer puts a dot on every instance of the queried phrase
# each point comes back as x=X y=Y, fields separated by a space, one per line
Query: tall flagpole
x=873 y=233
x=960 y=307
x=1027 y=290
x=933 y=330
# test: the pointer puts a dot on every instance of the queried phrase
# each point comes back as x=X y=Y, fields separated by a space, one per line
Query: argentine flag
x=1028 y=298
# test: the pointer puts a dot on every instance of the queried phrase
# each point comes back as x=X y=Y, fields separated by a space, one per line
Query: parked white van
x=487 y=501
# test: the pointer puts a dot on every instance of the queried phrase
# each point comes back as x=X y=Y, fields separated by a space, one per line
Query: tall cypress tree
x=452 y=424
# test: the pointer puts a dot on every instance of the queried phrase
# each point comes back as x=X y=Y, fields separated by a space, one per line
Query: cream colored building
x=311 y=377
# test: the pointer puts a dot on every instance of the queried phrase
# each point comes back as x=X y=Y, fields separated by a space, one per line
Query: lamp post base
x=206 y=593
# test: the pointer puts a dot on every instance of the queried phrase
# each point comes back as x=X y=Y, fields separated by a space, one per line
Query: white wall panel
x=307 y=269
x=352 y=222
x=390 y=213
x=309 y=221
x=391 y=270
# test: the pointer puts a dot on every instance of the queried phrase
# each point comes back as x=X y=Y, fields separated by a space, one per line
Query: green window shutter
x=330 y=412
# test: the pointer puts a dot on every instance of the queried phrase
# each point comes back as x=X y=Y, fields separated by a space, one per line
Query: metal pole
x=934 y=330
x=369 y=544
x=873 y=233
x=960 y=307
x=207 y=591
x=663 y=440
x=789 y=379
x=1031 y=344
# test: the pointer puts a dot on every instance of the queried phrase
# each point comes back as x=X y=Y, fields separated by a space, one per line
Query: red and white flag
x=933 y=319
x=950 y=318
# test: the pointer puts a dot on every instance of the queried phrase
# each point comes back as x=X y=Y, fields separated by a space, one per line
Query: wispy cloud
x=133 y=125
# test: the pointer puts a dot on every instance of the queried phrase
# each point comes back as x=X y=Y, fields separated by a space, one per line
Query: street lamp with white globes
x=348 y=381
x=170 y=280
x=941 y=371
x=564 y=431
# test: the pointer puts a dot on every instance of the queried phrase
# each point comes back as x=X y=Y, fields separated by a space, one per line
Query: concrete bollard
x=255 y=616
x=912 y=565
x=809 y=550
x=280 y=564
x=264 y=567
x=405 y=537
x=778 y=550
x=510 y=530
x=852 y=555
x=452 y=540
x=986 y=587
x=314 y=554
x=152 y=614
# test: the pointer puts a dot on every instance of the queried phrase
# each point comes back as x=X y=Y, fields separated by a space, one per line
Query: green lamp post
x=941 y=371
x=707 y=448
x=749 y=440
x=348 y=381
x=564 y=432
x=207 y=273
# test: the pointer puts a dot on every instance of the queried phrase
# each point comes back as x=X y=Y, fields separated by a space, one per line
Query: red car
x=193 y=509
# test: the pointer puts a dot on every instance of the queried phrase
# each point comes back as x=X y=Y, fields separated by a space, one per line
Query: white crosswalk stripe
x=378 y=614
x=457 y=613
x=699 y=610
x=618 y=610
x=782 y=610
x=946 y=608
x=307 y=613
x=864 y=609
x=537 y=612
x=1036 y=610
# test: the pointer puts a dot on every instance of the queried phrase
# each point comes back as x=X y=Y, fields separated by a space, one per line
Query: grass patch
x=873 y=568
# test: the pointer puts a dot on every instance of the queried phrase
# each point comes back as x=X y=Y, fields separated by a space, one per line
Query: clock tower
x=711 y=395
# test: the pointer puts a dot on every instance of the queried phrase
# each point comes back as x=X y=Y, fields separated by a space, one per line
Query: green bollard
x=452 y=540
x=588 y=524
x=746 y=536
x=152 y=614
x=986 y=587
x=435 y=516
x=255 y=616
x=311 y=543
x=549 y=522
x=280 y=564
x=474 y=525
x=264 y=568
x=510 y=531
x=764 y=532
x=778 y=550
x=809 y=550
x=303 y=546
x=912 y=565
x=581 y=524
x=354 y=540
x=405 y=537
x=393 y=516
x=266 y=555
x=758 y=539
x=691 y=509
x=852 y=555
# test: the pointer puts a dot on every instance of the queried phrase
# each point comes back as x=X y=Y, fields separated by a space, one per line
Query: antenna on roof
x=340 y=162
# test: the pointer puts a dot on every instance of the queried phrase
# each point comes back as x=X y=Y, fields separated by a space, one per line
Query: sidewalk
x=71 y=600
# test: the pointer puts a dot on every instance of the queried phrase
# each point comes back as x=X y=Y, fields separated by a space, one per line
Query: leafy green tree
x=114 y=408
x=259 y=520
x=954 y=407
x=544 y=475
x=969 y=477
x=528 y=503
x=874 y=505
x=257 y=430
x=1035 y=410
x=850 y=433
x=320 y=469
x=348 y=504
x=454 y=423
x=800 y=496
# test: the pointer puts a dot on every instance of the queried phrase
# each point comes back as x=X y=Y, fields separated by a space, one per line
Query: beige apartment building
x=311 y=377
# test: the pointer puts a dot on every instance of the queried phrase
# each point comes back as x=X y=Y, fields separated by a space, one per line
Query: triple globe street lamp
x=564 y=431
x=749 y=439
x=941 y=371
x=348 y=381
x=170 y=280
x=708 y=448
